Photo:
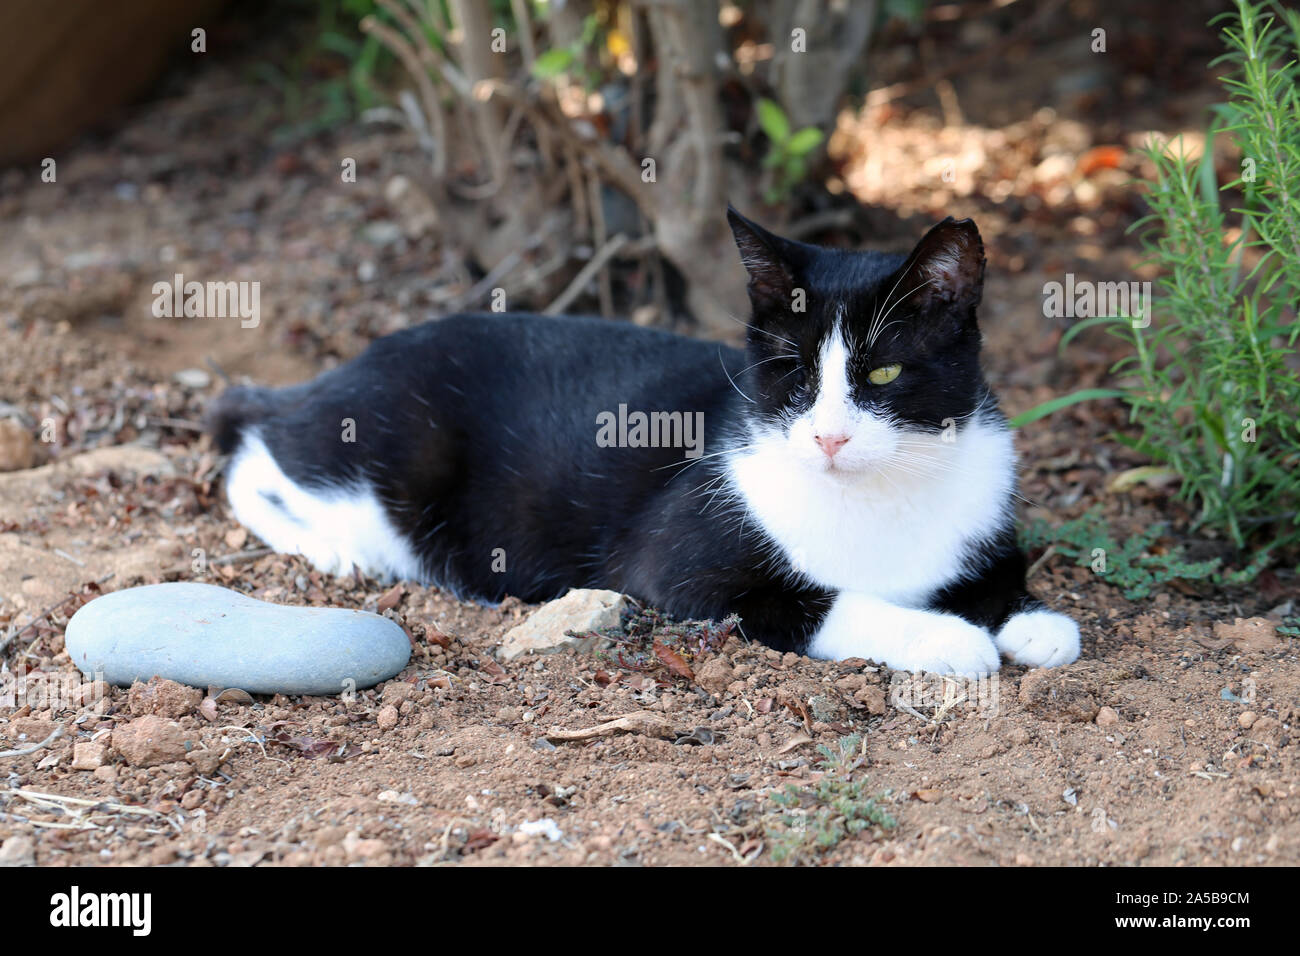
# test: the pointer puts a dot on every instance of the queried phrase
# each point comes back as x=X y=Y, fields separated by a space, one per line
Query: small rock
x=545 y=827
x=91 y=692
x=381 y=232
x=826 y=708
x=1248 y=634
x=194 y=378
x=203 y=635
x=872 y=698
x=387 y=718
x=360 y=850
x=192 y=799
x=206 y=762
x=18 y=850
x=715 y=675
x=1246 y=719
x=30 y=729
x=1050 y=695
x=88 y=756
x=148 y=741
x=162 y=855
x=166 y=698
x=1107 y=717
x=581 y=610
x=17 y=447
x=396 y=692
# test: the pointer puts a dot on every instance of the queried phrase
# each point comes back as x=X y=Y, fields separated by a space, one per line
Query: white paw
x=1039 y=639
x=944 y=644
x=909 y=639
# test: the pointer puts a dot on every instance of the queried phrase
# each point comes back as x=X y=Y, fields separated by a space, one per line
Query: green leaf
x=773 y=121
x=804 y=141
x=553 y=62
x=1079 y=326
x=1063 y=401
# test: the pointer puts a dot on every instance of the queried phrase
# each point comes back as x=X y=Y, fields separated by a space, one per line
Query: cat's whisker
x=731 y=380
x=774 y=358
x=897 y=302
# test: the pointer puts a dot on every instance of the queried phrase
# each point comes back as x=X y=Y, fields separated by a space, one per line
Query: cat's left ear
x=948 y=264
x=767 y=259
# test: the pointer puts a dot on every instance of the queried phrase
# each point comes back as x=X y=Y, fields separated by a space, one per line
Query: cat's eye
x=884 y=375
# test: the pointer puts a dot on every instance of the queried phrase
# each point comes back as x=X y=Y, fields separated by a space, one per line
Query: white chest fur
x=897 y=533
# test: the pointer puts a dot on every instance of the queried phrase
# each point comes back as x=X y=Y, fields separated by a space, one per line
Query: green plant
x=816 y=818
x=331 y=77
x=788 y=149
x=1138 y=565
x=1209 y=382
x=572 y=59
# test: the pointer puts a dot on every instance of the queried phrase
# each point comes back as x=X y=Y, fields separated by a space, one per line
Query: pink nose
x=832 y=443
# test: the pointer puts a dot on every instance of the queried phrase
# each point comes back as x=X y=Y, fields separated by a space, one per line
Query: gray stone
x=204 y=635
x=581 y=610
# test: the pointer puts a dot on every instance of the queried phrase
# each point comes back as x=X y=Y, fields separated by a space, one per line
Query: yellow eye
x=884 y=375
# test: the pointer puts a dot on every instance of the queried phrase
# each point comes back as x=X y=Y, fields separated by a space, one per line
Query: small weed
x=788 y=152
x=1138 y=565
x=814 y=819
x=646 y=639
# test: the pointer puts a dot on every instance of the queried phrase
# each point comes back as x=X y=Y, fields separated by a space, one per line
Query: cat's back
x=531 y=340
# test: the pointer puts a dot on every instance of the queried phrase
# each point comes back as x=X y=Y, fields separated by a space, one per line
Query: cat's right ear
x=771 y=280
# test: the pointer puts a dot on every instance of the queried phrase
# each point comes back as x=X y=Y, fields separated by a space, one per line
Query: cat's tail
x=234 y=410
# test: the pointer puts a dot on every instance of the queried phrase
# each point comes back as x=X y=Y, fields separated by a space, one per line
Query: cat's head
x=860 y=360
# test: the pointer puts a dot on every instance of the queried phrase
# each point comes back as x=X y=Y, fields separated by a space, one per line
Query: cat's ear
x=948 y=266
x=766 y=259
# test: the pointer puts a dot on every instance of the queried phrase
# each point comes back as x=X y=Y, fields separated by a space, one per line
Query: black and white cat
x=851 y=493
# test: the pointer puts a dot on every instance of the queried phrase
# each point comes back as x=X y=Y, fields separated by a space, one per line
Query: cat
x=849 y=491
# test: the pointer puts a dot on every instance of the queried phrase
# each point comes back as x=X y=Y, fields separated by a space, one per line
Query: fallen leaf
x=478 y=840
x=391 y=598
x=798 y=740
x=640 y=722
x=1101 y=157
x=495 y=673
x=1152 y=475
x=673 y=661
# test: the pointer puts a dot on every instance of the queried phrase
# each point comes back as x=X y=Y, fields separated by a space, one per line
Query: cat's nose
x=832 y=443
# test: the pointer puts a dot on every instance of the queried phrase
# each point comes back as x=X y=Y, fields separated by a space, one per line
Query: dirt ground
x=1169 y=742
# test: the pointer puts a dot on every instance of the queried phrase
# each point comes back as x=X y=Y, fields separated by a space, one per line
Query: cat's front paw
x=943 y=644
x=1039 y=639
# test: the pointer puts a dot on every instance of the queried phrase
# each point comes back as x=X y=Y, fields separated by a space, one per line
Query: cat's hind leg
x=335 y=527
